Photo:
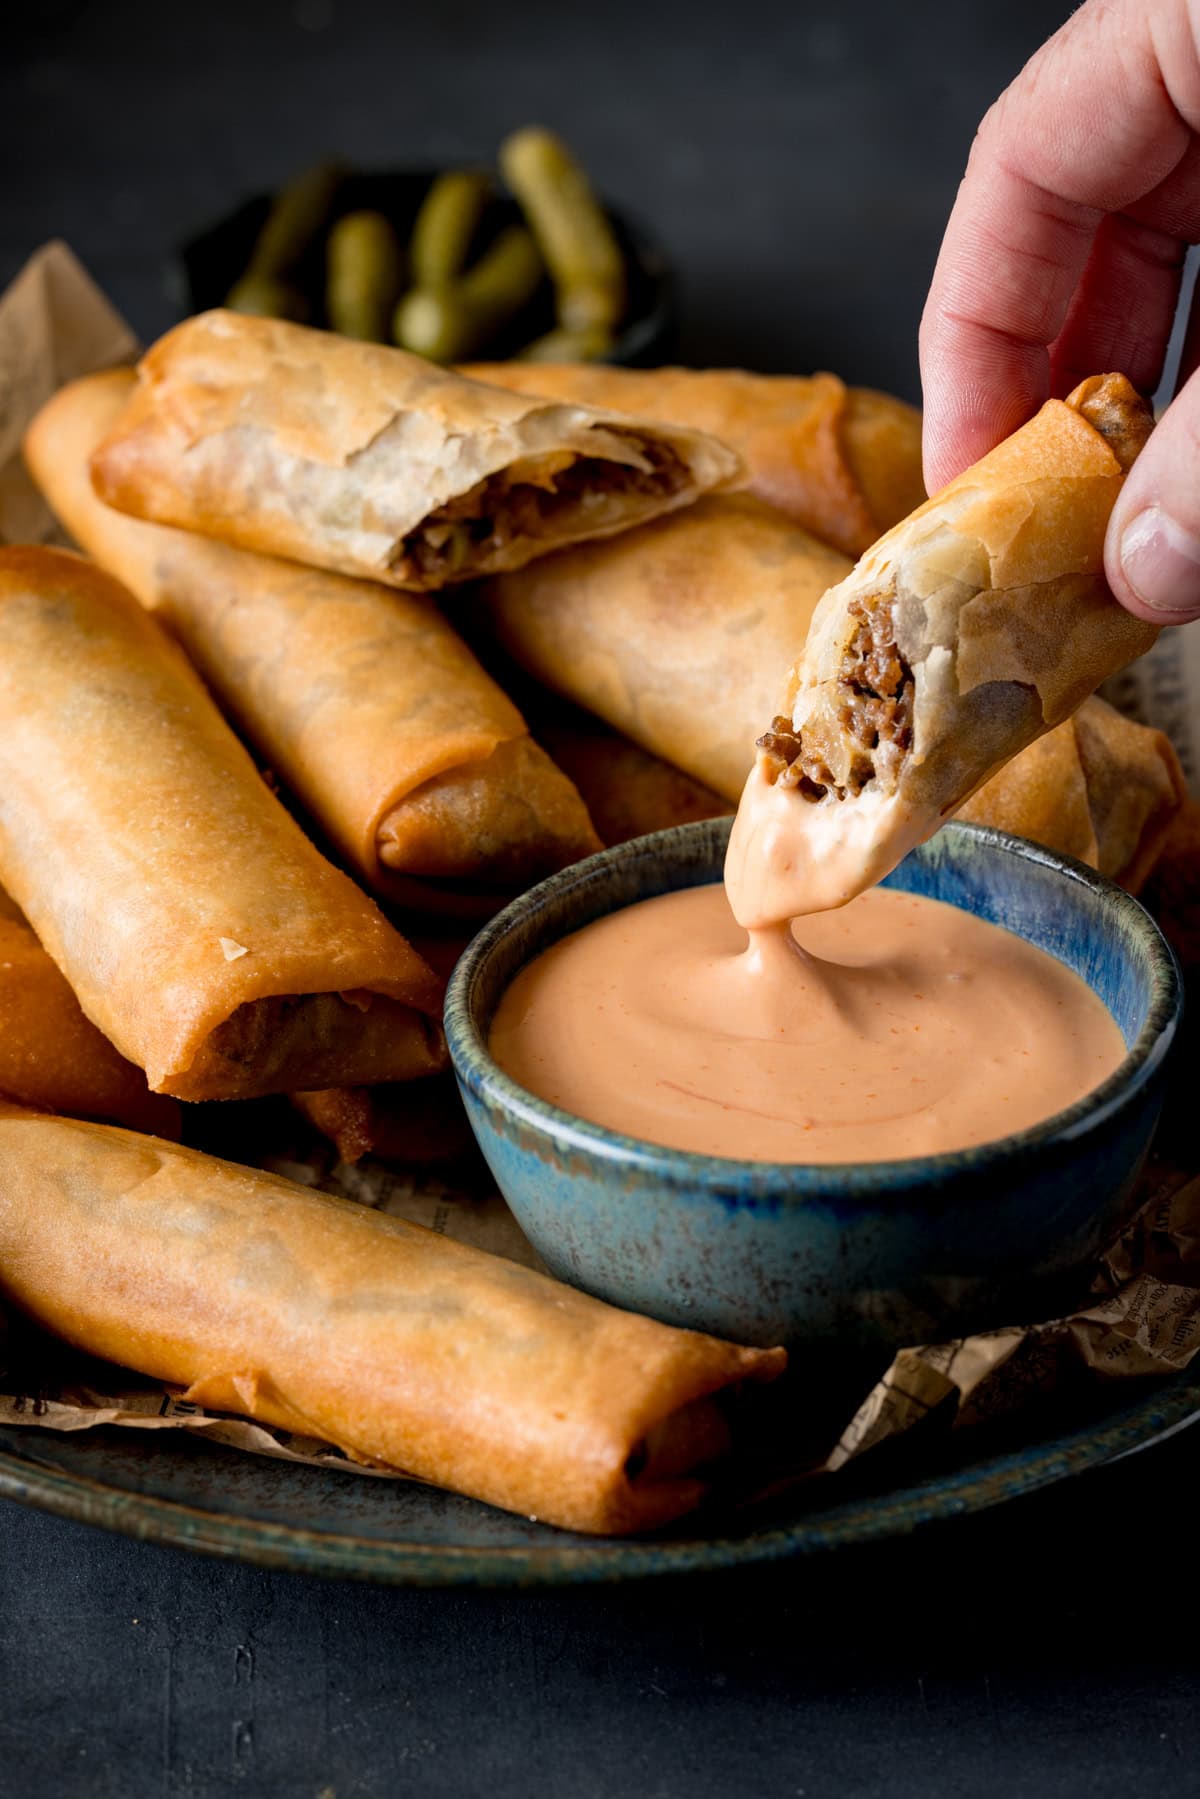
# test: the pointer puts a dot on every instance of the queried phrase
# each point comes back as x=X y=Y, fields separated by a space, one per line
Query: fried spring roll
x=844 y=462
x=364 y=700
x=326 y=1318
x=51 y=1056
x=421 y=1123
x=369 y=461
x=634 y=791
x=1098 y=787
x=200 y=930
x=965 y=633
x=675 y=633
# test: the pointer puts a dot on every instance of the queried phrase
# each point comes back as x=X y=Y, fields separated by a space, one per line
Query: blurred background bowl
x=860 y=1258
x=212 y=260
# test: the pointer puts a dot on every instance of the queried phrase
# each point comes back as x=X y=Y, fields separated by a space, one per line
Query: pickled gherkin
x=364 y=272
x=592 y=345
x=447 y=221
x=298 y=216
x=452 y=323
x=572 y=230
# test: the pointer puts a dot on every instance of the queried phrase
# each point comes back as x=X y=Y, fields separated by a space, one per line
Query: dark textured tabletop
x=798 y=162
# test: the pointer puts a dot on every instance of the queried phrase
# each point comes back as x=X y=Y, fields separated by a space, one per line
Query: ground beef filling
x=875 y=715
x=467 y=534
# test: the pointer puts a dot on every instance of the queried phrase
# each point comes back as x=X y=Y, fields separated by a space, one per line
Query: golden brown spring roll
x=200 y=930
x=1098 y=787
x=324 y=1317
x=844 y=462
x=51 y=1056
x=420 y=1123
x=628 y=791
x=674 y=634
x=369 y=461
x=364 y=700
x=965 y=633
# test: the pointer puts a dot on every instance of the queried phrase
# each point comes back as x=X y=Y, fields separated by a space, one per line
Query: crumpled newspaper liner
x=1143 y=1320
x=1144 y=1315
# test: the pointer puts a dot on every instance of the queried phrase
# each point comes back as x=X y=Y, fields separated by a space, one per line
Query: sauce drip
x=894 y=1026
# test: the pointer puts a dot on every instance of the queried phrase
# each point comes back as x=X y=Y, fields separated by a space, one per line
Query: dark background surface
x=798 y=164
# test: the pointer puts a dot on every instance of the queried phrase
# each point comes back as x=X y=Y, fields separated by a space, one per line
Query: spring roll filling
x=871 y=732
x=532 y=499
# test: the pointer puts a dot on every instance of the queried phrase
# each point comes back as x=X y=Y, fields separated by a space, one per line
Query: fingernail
x=1161 y=562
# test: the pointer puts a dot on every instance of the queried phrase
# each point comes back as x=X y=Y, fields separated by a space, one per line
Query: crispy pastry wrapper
x=55 y=324
x=54 y=1058
x=421 y=1124
x=364 y=700
x=1141 y=1319
x=1098 y=787
x=394 y=1344
x=669 y=632
x=199 y=928
x=367 y=460
x=844 y=462
x=673 y=635
x=965 y=633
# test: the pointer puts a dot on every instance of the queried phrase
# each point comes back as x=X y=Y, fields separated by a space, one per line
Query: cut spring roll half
x=844 y=462
x=329 y=1319
x=199 y=928
x=369 y=461
x=365 y=701
x=965 y=633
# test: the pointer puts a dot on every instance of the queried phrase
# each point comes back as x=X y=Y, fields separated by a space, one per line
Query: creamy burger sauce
x=894 y=1026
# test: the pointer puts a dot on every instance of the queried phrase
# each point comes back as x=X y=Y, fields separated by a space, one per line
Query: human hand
x=1062 y=259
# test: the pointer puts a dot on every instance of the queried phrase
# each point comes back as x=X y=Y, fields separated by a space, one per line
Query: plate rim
x=1172 y=1406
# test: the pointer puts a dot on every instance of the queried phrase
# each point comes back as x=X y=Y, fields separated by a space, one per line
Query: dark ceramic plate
x=247 y=1508
x=214 y=258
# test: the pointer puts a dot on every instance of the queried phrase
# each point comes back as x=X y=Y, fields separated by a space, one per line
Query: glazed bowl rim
x=476 y=1070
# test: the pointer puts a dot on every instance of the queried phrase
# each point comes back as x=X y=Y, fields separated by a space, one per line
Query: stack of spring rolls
x=252 y=773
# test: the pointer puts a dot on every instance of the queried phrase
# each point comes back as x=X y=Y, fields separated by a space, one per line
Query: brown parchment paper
x=55 y=325
x=1140 y=1317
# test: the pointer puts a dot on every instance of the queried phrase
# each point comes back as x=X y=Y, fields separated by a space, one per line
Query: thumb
x=1152 y=550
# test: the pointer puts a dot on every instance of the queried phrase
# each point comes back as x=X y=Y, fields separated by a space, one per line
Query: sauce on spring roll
x=198 y=927
x=365 y=700
x=327 y=1318
x=370 y=461
x=965 y=633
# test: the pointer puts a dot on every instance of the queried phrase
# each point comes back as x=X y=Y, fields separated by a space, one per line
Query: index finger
x=1089 y=126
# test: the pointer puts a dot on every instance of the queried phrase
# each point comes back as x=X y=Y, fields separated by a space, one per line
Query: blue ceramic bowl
x=868 y=1256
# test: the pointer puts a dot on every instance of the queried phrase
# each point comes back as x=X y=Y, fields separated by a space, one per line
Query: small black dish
x=214 y=258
